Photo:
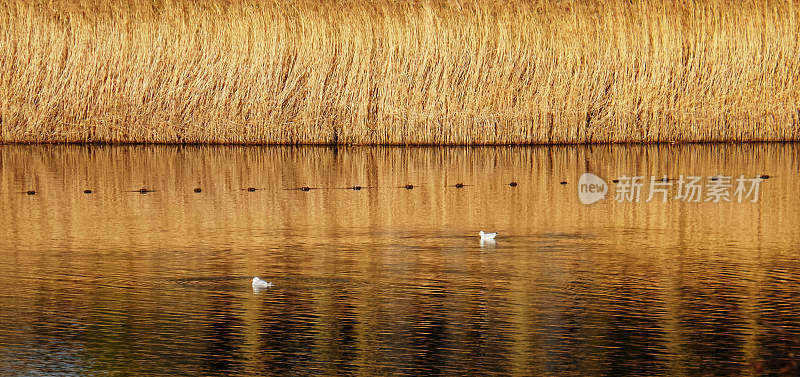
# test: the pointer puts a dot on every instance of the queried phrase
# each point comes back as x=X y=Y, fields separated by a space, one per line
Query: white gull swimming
x=259 y=284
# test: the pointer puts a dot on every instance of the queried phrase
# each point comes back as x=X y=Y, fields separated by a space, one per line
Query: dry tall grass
x=399 y=72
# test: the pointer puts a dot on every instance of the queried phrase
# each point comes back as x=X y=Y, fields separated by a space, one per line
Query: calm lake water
x=390 y=281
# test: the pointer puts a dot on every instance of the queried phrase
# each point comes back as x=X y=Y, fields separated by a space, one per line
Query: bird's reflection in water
x=488 y=244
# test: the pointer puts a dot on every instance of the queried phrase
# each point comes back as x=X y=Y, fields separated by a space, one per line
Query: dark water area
x=391 y=281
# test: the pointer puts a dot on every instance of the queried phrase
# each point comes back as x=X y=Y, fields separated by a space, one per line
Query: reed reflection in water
x=387 y=280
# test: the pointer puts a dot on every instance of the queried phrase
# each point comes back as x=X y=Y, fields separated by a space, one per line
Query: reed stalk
x=399 y=72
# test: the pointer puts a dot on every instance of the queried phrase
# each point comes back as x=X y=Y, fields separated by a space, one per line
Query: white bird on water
x=487 y=236
x=259 y=284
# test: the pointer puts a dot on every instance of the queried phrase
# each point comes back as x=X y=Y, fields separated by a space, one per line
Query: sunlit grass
x=399 y=72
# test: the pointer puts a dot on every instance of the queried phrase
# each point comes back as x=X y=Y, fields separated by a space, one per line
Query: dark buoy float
x=409 y=187
x=356 y=187
x=305 y=188
x=31 y=192
x=142 y=190
x=513 y=184
x=87 y=191
x=459 y=185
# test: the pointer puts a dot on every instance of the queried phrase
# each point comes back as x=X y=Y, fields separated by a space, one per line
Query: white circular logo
x=591 y=188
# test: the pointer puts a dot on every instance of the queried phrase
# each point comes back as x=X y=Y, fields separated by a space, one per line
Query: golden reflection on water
x=389 y=280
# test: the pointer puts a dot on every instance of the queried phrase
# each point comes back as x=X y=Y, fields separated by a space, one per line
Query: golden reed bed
x=399 y=72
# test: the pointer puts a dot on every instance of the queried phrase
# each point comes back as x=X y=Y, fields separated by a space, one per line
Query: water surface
x=386 y=280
